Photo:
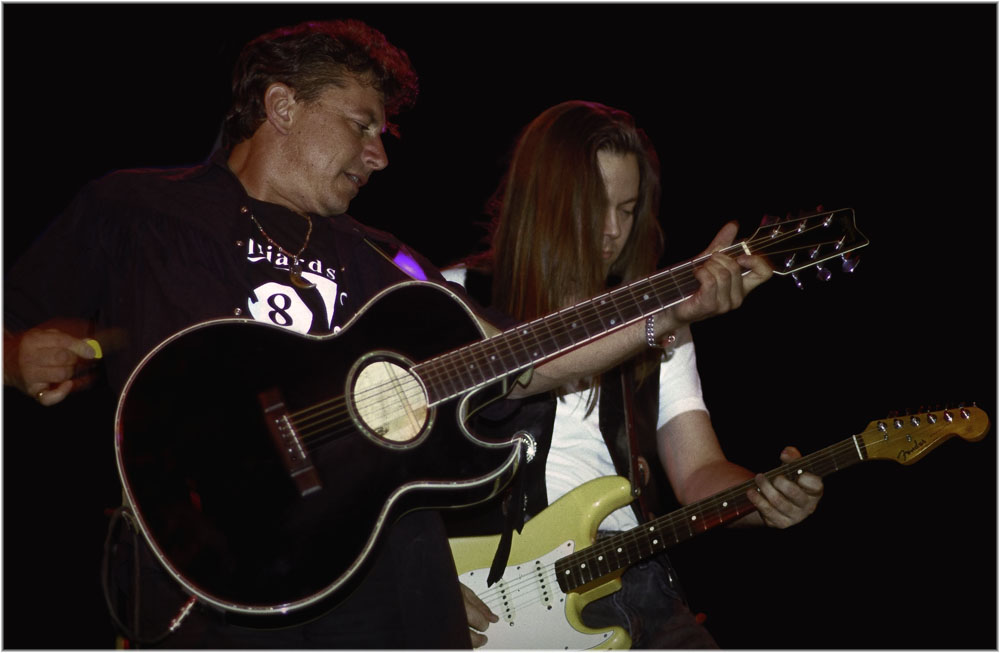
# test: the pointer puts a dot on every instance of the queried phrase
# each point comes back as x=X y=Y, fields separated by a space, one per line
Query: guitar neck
x=608 y=555
x=904 y=439
x=789 y=246
x=485 y=362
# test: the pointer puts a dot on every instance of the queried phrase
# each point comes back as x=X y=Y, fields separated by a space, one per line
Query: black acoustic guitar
x=263 y=465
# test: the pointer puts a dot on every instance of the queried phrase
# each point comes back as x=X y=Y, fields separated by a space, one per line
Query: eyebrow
x=360 y=112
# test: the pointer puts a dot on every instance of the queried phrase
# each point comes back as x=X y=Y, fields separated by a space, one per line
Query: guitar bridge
x=289 y=444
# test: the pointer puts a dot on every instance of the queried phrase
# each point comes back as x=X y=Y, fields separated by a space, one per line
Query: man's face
x=334 y=145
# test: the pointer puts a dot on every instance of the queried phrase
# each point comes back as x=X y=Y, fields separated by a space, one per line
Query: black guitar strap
x=513 y=510
x=635 y=473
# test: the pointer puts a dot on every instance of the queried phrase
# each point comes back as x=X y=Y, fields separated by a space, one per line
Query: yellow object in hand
x=96 y=346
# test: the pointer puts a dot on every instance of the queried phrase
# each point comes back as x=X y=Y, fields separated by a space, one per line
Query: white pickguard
x=531 y=607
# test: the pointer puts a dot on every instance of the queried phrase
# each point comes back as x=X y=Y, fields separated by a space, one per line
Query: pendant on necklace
x=295 y=274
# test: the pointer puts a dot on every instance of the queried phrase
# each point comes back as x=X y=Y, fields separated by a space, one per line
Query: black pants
x=409 y=599
x=649 y=606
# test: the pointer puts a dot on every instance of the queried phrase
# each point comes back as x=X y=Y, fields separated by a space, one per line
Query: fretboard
x=482 y=363
x=608 y=555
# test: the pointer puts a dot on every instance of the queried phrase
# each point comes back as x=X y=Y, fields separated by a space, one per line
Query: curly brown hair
x=310 y=56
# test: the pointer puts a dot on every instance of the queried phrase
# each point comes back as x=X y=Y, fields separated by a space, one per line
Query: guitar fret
x=607 y=315
x=529 y=351
x=611 y=554
x=469 y=369
x=601 y=563
x=578 y=330
x=480 y=363
x=631 y=308
x=545 y=338
x=487 y=361
x=653 y=540
x=524 y=346
x=570 y=332
x=504 y=354
x=440 y=383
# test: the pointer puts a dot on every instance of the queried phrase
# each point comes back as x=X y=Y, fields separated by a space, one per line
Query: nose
x=374 y=154
x=612 y=226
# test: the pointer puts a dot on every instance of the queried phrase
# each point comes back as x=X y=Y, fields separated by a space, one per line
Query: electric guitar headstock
x=794 y=244
x=908 y=438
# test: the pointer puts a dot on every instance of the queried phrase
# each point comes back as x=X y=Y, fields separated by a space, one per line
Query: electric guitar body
x=534 y=612
x=558 y=567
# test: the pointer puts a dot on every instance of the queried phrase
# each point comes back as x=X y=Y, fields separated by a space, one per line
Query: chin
x=335 y=208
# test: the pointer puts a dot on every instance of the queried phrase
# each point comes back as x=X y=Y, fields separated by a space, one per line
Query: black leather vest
x=536 y=416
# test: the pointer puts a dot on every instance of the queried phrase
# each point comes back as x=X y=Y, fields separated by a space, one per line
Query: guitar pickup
x=289 y=444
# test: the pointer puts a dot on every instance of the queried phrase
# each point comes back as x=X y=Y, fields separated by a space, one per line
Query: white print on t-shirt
x=257 y=253
x=282 y=305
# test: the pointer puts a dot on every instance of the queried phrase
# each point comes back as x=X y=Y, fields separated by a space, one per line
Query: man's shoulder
x=144 y=180
x=183 y=191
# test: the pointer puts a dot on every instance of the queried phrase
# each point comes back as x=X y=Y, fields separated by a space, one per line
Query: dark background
x=755 y=109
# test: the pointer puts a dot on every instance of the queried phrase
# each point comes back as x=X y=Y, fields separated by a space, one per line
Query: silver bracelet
x=651 y=334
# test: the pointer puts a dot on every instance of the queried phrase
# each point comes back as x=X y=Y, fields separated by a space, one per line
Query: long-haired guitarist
x=577 y=211
x=259 y=234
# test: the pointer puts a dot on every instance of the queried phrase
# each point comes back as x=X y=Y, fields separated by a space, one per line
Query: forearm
x=596 y=356
x=11 y=367
x=716 y=478
x=712 y=479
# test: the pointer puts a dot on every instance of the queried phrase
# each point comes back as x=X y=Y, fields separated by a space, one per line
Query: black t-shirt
x=146 y=253
x=140 y=255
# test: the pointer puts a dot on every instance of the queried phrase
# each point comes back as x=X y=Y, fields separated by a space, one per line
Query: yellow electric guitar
x=557 y=568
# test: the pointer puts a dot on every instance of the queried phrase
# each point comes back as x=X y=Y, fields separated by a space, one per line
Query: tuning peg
x=849 y=264
x=822 y=273
x=798 y=284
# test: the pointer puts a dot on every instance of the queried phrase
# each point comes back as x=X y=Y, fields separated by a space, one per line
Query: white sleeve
x=455 y=274
x=680 y=385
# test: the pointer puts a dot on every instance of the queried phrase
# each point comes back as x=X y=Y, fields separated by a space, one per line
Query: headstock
x=794 y=244
x=908 y=438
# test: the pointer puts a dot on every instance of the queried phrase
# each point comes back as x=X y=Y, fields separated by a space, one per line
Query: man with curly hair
x=260 y=233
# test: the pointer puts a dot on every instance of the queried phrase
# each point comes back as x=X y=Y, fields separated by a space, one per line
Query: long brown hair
x=548 y=216
x=548 y=228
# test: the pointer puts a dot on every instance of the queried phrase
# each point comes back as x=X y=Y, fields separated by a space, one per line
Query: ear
x=279 y=100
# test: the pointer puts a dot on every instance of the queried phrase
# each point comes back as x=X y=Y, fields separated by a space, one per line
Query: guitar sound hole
x=390 y=402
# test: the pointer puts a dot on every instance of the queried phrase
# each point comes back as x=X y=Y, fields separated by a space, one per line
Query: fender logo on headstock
x=905 y=453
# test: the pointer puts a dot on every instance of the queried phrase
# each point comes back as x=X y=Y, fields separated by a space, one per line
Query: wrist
x=659 y=330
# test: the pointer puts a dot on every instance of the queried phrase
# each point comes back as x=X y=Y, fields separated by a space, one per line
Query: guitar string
x=374 y=394
x=411 y=387
x=397 y=394
x=822 y=463
x=628 y=543
x=772 y=238
x=414 y=388
x=637 y=541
